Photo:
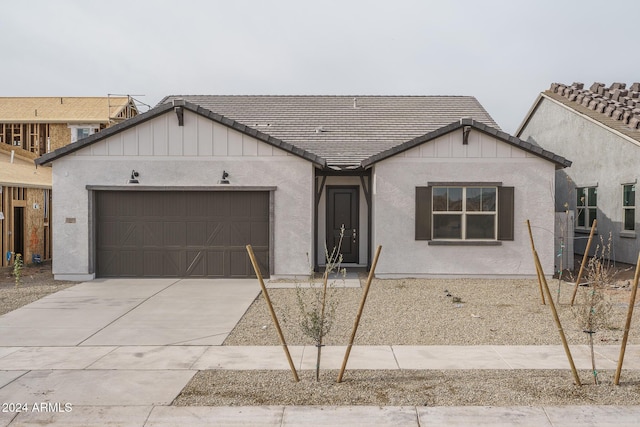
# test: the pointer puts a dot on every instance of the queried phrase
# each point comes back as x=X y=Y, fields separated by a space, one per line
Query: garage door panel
x=216 y=263
x=129 y=263
x=240 y=233
x=152 y=235
x=196 y=233
x=173 y=263
x=174 y=234
x=196 y=264
x=180 y=234
x=241 y=205
x=260 y=233
x=153 y=262
x=217 y=234
x=260 y=206
x=238 y=263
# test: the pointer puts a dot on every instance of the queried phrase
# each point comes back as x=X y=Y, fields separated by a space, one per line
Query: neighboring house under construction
x=29 y=128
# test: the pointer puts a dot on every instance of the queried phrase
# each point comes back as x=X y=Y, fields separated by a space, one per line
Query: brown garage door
x=181 y=234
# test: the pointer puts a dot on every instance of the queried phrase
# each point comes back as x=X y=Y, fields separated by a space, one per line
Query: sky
x=503 y=52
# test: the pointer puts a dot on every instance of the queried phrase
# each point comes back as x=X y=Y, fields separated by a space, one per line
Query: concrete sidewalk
x=118 y=352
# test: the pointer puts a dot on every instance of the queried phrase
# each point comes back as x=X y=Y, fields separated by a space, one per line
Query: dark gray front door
x=181 y=234
x=342 y=210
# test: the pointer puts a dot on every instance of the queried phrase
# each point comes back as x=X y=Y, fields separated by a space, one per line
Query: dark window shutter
x=505 y=213
x=423 y=213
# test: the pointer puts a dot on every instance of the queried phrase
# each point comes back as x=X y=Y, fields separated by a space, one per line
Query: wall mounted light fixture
x=224 y=179
x=134 y=176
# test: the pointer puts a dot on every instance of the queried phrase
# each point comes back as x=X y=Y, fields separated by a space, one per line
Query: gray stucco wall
x=600 y=158
x=167 y=155
x=446 y=159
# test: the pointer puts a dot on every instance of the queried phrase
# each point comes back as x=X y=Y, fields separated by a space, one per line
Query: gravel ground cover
x=36 y=282
x=426 y=312
x=409 y=312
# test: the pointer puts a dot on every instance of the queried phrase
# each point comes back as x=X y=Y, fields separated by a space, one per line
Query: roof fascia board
x=592 y=120
x=165 y=108
x=106 y=133
x=528 y=116
x=561 y=162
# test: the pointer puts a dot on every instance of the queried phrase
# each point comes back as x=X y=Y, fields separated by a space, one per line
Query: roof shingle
x=344 y=130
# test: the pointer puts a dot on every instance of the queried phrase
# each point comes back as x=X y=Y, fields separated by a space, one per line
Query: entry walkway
x=119 y=352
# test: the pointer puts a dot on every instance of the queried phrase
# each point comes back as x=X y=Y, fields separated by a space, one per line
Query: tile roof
x=615 y=106
x=61 y=109
x=344 y=130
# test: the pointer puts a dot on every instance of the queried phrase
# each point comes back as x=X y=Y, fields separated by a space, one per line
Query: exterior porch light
x=134 y=177
x=224 y=179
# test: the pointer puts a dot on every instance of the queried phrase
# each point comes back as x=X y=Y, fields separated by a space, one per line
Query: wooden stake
x=360 y=310
x=584 y=261
x=273 y=313
x=552 y=306
x=627 y=326
x=533 y=249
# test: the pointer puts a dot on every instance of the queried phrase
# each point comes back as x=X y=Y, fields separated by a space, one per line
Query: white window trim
x=625 y=208
x=586 y=208
x=464 y=214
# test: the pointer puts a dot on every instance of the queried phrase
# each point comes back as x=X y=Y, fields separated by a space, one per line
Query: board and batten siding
x=445 y=159
x=193 y=155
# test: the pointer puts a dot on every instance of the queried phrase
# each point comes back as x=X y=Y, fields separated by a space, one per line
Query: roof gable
x=177 y=107
x=615 y=108
x=344 y=130
x=559 y=161
x=63 y=109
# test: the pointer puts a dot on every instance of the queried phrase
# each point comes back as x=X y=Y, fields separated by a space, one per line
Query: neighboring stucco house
x=30 y=127
x=598 y=129
x=180 y=190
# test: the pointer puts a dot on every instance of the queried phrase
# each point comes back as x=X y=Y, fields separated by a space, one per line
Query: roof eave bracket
x=180 y=113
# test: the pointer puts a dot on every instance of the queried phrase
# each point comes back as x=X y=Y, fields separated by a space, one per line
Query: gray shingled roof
x=344 y=130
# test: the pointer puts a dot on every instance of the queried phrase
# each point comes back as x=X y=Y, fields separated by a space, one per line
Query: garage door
x=181 y=234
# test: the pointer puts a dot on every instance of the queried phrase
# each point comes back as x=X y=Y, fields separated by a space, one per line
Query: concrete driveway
x=129 y=312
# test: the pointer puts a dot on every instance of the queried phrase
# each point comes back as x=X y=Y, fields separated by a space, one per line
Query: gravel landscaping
x=426 y=312
x=404 y=312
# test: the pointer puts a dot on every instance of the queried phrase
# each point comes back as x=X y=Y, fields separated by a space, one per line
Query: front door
x=342 y=211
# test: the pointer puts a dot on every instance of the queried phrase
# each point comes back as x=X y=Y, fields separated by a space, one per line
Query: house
x=181 y=189
x=598 y=128
x=25 y=200
x=30 y=127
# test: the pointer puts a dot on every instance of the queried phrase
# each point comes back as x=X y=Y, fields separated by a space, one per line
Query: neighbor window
x=473 y=213
x=587 y=206
x=629 y=207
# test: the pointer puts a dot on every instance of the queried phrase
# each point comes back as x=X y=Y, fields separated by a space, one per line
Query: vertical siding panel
x=428 y=149
x=145 y=139
x=205 y=137
x=176 y=136
x=414 y=152
x=249 y=146
x=114 y=145
x=503 y=150
x=489 y=147
x=265 y=150
x=473 y=149
x=161 y=136
x=220 y=140
x=129 y=142
x=99 y=149
x=458 y=149
x=235 y=143
x=190 y=134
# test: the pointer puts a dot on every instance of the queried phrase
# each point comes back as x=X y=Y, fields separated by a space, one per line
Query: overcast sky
x=502 y=52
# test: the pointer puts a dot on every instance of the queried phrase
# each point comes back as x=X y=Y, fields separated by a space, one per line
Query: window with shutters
x=464 y=213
